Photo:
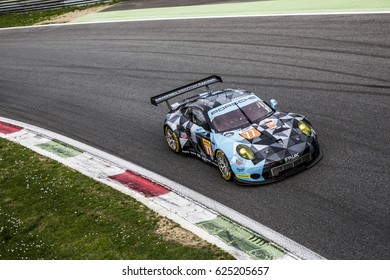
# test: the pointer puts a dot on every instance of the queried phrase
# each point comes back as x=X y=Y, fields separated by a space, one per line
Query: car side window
x=187 y=112
x=198 y=117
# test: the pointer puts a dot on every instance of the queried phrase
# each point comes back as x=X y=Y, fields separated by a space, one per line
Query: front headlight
x=245 y=152
x=304 y=127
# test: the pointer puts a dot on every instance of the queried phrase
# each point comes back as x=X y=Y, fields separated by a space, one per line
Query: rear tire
x=224 y=166
x=172 y=140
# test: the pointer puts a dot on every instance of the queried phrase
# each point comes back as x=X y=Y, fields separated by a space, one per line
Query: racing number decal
x=207 y=147
x=250 y=133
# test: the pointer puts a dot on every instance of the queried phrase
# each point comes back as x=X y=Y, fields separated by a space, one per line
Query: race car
x=250 y=140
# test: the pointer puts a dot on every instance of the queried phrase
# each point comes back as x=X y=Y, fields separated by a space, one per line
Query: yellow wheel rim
x=172 y=140
x=223 y=165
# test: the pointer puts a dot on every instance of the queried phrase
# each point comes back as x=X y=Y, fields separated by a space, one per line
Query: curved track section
x=93 y=83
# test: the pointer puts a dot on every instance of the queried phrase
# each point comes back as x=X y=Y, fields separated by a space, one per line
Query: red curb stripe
x=7 y=128
x=140 y=184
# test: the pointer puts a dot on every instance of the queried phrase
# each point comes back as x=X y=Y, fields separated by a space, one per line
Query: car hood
x=273 y=138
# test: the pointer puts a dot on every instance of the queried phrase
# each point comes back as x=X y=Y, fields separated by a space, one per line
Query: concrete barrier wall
x=7 y=6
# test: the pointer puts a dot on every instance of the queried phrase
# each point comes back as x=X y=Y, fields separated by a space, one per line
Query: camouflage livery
x=247 y=138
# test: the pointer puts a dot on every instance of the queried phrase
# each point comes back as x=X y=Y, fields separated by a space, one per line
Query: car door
x=199 y=132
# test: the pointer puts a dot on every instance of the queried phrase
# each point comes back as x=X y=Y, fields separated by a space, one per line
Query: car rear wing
x=155 y=100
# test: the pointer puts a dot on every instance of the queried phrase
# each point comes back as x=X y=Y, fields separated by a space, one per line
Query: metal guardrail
x=7 y=6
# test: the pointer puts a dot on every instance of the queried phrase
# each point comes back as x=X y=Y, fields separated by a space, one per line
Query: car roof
x=208 y=101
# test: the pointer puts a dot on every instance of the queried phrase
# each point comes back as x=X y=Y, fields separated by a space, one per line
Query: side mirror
x=274 y=104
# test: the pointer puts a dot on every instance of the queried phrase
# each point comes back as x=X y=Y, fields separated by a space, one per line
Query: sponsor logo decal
x=207 y=147
x=250 y=133
x=169 y=95
x=220 y=109
x=270 y=124
x=239 y=161
x=291 y=158
x=183 y=135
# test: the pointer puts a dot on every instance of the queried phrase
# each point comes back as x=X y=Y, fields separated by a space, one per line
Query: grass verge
x=49 y=211
x=34 y=17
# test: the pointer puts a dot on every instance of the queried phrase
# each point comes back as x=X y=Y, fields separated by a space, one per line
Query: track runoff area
x=64 y=149
x=244 y=9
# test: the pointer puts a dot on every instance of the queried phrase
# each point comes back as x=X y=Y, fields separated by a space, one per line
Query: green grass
x=49 y=211
x=31 y=18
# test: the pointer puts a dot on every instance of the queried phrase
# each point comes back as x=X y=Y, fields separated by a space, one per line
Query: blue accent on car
x=221 y=120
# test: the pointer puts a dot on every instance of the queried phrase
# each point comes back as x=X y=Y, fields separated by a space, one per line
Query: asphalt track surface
x=93 y=83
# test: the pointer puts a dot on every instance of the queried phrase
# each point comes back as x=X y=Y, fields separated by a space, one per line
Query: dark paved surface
x=93 y=83
x=144 y=4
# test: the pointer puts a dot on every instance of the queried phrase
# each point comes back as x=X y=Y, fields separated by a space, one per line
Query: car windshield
x=242 y=116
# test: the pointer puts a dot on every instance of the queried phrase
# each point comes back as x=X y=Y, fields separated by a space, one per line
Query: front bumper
x=283 y=171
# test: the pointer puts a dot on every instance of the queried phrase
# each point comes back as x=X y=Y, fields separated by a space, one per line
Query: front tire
x=172 y=140
x=224 y=166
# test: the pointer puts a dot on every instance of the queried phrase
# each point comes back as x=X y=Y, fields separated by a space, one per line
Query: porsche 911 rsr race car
x=247 y=138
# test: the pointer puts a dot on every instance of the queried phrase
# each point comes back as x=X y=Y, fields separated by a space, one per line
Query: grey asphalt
x=93 y=83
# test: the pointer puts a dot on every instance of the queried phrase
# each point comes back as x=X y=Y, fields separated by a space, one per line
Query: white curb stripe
x=94 y=167
x=185 y=208
x=26 y=137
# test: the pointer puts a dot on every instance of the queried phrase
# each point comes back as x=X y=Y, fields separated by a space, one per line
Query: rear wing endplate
x=155 y=100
